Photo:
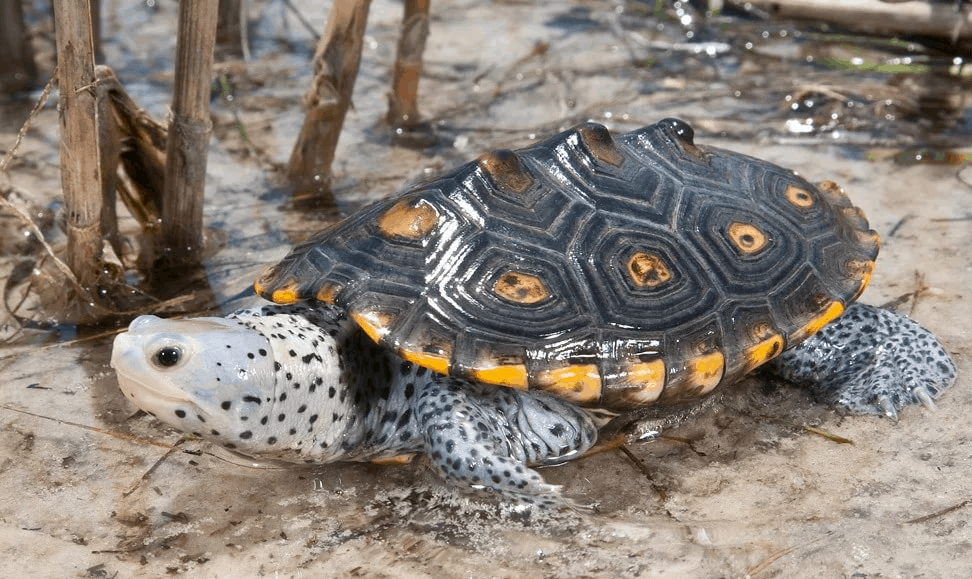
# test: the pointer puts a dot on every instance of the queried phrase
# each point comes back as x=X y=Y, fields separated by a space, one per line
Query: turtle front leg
x=489 y=437
x=871 y=361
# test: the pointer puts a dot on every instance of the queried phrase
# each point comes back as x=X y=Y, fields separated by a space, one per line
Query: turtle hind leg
x=489 y=437
x=870 y=361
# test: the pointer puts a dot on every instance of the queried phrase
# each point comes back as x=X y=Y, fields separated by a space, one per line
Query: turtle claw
x=925 y=397
x=887 y=407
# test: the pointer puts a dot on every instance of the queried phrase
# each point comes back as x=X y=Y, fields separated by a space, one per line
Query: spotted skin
x=302 y=385
x=308 y=385
x=870 y=361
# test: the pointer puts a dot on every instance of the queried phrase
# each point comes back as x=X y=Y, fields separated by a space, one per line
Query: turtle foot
x=871 y=361
x=488 y=437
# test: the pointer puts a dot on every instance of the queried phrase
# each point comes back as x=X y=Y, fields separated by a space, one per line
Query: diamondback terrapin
x=478 y=318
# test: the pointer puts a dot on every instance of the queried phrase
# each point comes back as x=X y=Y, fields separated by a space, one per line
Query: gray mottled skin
x=311 y=387
x=870 y=361
x=291 y=383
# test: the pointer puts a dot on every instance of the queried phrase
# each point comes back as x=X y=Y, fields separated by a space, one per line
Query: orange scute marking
x=651 y=377
x=706 y=371
x=409 y=219
x=521 y=288
x=286 y=294
x=375 y=324
x=327 y=293
x=799 y=196
x=764 y=351
x=747 y=237
x=433 y=362
x=832 y=312
x=510 y=376
x=577 y=382
x=648 y=270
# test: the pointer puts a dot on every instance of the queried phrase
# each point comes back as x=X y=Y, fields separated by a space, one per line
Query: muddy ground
x=739 y=488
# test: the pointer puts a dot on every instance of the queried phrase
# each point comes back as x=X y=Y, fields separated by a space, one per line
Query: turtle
x=495 y=318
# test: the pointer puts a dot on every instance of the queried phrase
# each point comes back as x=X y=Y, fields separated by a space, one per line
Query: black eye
x=168 y=356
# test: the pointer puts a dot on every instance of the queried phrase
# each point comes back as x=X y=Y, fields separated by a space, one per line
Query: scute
x=610 y=270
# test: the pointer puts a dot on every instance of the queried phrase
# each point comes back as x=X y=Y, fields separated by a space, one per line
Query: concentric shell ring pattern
x=612 y=271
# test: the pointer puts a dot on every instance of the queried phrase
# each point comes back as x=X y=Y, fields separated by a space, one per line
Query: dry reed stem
x=79 y=154
x=189 y=131
x=403 y=100
x=336 y=63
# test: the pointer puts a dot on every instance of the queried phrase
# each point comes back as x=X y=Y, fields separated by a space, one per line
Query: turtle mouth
x=140 y=391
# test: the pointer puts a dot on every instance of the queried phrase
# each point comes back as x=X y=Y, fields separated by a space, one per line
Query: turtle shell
x=615 y=272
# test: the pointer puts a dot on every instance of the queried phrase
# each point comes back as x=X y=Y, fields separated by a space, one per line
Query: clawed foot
x=871 y=361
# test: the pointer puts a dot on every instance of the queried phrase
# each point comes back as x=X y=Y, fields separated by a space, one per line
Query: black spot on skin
x=264 y=420
x=230 y=445
x=263 y=352
x=214 y=432
x=252 y=399
x=226 y=405
x=283 y=396
x=302 y=408
x=292 y=354
x=403 y=420
x=409 y=390
x=200 y=418
x=313 y=418
x=250 y=355
x=289 y=376
x=557 y=430
x=281 y=417
x=180 y=413
x=246 y=435
x=293 y=431
x=331 y=392
x=272 y=440
x=276 y=366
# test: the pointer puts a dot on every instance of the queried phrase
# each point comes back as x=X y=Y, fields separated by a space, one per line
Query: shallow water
x=737 y=488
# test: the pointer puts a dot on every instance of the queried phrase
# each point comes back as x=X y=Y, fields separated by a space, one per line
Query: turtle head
x=255 y=382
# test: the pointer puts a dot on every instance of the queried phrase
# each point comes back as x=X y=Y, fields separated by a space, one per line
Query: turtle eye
x=167 y=357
